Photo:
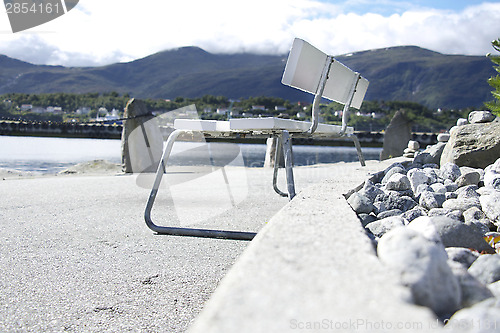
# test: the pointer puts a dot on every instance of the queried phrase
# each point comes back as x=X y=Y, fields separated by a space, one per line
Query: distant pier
x=60 y=129
x=98 y=130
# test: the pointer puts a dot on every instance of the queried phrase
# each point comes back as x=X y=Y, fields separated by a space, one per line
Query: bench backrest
x=304 y=69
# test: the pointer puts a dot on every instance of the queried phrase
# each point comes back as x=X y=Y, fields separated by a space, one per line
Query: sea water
x=51 y=155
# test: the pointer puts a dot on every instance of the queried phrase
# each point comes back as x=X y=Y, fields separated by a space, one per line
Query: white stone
x=480 y=117
x=426 y=228
x=422 y=266
x=491 y=207
x=413 y=145
x=380 y=227
x=398 y=182
x=486 y=268
x=417 y=177
x=443 y=137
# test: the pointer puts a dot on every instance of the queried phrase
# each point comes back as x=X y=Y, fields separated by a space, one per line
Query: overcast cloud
x=98 y=32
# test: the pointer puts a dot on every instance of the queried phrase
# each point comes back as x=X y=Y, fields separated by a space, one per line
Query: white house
x=38 y=109
x=54 y=109
x=222 y=111
x=83 y=110
x=26 y=107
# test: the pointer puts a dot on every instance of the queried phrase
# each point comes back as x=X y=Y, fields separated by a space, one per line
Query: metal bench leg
x=287 y=150
x=237 y=235
x=277 y=157
x=361 y=157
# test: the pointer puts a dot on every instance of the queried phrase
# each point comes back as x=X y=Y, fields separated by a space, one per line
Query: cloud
x=468 y=32
x=100 y=32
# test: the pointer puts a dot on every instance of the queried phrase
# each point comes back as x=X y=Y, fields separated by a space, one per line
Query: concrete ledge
x=313 y=268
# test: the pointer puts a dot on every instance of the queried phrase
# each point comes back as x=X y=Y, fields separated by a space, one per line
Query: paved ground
x=77 y=256
x=313 y=268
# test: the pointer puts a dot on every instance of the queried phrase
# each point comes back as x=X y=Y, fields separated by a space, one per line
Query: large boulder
x=142 y=140
x=475 y=145
x=396 y=136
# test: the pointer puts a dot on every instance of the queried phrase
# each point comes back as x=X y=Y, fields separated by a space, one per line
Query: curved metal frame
x=177 y=231
x=283 y=140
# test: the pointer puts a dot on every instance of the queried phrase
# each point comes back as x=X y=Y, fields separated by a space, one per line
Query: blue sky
x=389 y=7
x=98 y=32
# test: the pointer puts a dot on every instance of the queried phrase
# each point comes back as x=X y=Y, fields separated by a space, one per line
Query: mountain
x=406 y=73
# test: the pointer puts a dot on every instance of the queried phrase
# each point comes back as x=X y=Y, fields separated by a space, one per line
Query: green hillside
x=400 y=73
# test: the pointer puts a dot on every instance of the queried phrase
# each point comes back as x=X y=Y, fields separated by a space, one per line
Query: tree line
x=373 y=115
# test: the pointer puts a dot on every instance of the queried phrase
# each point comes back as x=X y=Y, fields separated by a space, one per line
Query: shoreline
x=107 y=168
x=94 y=167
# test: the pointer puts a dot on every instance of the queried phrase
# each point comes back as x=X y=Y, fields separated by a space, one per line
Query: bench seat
x=267 y=125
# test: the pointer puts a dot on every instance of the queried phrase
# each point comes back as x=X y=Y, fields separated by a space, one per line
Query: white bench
x=308 y=69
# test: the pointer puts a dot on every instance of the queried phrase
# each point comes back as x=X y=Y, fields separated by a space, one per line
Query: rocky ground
x=437 y=227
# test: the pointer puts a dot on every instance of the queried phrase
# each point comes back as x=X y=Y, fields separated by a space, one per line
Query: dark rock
x=467 y=192
x=142 y=141
x=395 y=201
x=360 y=203
x=450 y=171
x=475 y=216
x=429 y=200
x=472 y=290
x=450 y=195
x=366 y=218
x=413 y=213
x=389 y=213
x=462 y=255
x=451 y=186
x=431 y=154
x=396 y=136
x=370 y=191
x=454 y=233
x=392 y=166
x=470 y=178
x=438 y=212
x=433 y=174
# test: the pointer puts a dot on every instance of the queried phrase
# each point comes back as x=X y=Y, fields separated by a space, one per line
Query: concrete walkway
x=76 y=254
x=312 y=268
